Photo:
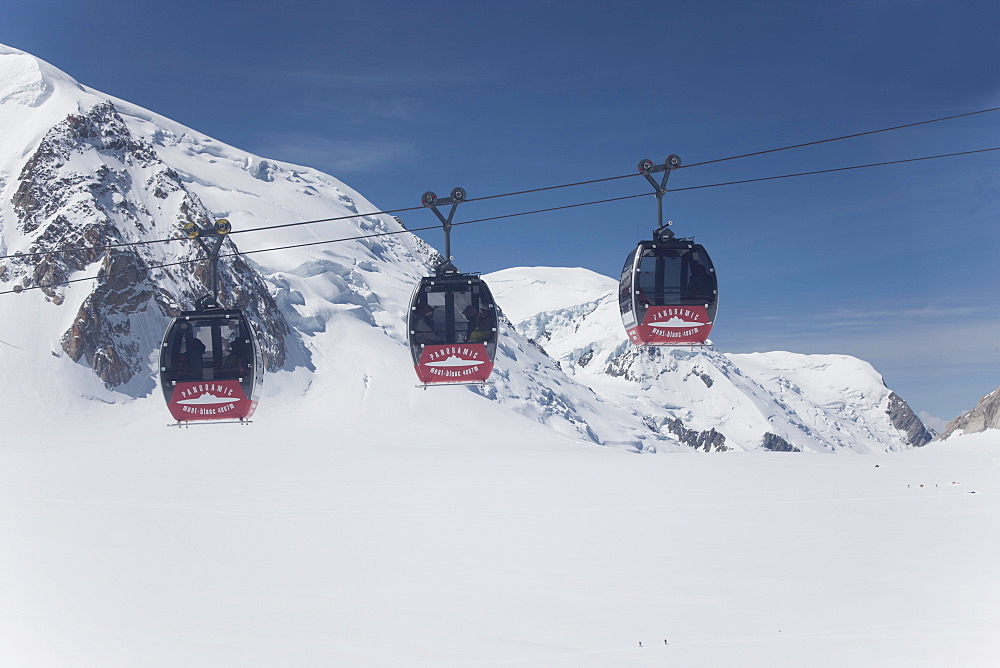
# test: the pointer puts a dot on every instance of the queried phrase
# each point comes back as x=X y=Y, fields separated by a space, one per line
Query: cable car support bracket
x=647 y=168
x=432 y=202
x=217 y=237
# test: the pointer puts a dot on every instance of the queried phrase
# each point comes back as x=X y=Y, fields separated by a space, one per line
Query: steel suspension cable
x=511 y=215
x=534 y=190
x=832 y=139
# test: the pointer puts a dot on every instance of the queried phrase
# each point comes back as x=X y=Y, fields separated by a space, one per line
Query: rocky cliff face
x=986 y=415
x=91 y=185
x=709 y=440
x=905 y=420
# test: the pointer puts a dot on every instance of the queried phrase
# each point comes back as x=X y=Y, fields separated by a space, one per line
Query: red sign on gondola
x=457 y=363
x=210 y=400
x=672 y=325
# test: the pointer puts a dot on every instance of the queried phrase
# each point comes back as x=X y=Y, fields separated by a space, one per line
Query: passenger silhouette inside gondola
x=478 y=325
x=194 y=360
x=423 y=325
x=236 y=359
x=700 y=285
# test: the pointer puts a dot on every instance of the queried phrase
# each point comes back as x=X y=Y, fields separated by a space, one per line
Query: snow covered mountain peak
x=985 y=416
x=28 y=81
x=707 y=399
x=91 y=172
x=532 y=290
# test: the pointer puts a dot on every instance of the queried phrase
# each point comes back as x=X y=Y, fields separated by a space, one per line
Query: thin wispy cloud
x=941 y=354
x=340 y=156
x=943 y=341
x=359 y=94
x=869 y=317
x=943 y=315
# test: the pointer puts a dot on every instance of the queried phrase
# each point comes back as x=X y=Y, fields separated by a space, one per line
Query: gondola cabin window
x=209 y=349
x=625 y=291
x=453 y=314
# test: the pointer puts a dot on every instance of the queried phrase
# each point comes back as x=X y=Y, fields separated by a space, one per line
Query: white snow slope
x=824 y=403
x=312 y=540
x=360 y=521
x=348 y=300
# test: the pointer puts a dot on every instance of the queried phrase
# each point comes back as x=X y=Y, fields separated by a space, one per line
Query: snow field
x=298 y=540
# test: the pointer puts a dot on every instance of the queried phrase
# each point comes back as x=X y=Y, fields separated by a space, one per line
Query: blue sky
x=897 y=265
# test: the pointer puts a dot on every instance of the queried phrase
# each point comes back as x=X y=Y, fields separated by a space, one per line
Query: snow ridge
x=715 y=401
x=93 y=170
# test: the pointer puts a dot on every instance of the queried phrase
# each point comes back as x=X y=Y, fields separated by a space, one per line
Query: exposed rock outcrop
x=775 y=443
x=92 y=187
x=709 y=440
x=986 y=415
x=904 y=419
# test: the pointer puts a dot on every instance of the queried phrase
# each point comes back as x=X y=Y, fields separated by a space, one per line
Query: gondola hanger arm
x=647 y=168
x=432 y=202
x=217 y=235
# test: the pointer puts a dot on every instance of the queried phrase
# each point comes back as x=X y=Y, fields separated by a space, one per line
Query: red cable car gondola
x=211 y=367
x=668 y=292
x=453 y=329
x=452 y=321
